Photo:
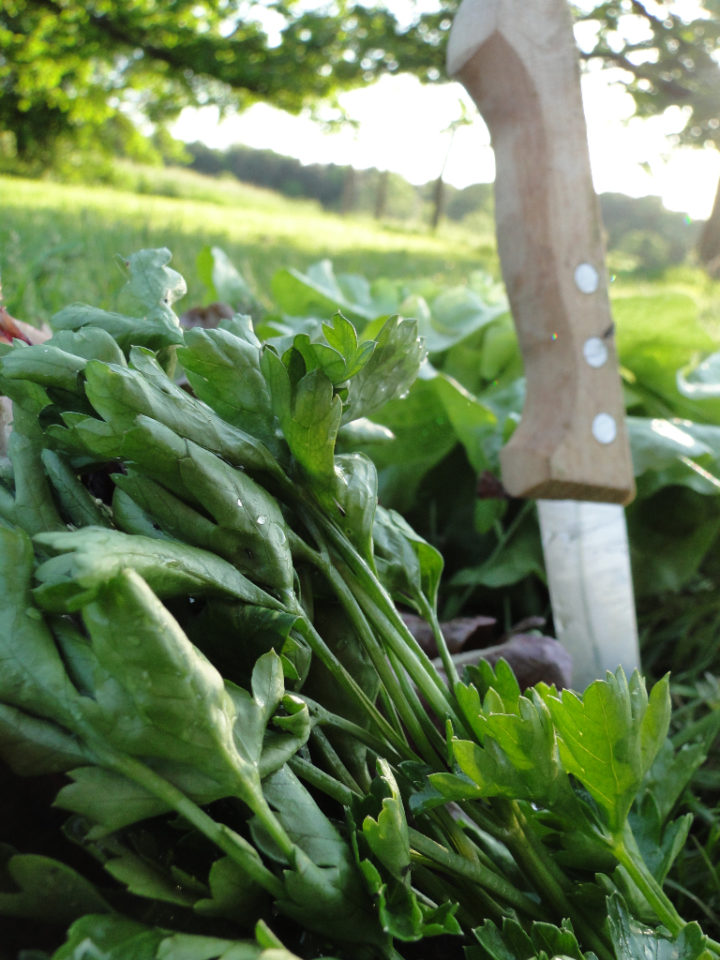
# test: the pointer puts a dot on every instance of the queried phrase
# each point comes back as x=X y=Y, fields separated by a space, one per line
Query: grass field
x=59 y=243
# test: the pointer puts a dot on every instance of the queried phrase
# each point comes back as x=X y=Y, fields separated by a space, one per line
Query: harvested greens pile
x=202 y=656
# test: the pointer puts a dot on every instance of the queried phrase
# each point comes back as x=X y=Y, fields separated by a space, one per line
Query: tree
x=68 y=67
x=462 y=120
x=665 y=60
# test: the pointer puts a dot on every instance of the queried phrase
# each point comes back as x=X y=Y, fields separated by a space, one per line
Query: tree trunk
x=708 y=249
x=349 y=193
x=381 y=197
x=438 y=202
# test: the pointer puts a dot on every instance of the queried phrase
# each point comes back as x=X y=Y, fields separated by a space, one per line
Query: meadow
x=60 y=241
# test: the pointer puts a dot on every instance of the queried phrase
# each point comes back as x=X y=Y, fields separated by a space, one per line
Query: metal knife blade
x=519 y=62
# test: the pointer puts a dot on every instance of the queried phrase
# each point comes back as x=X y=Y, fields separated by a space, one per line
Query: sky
x=402 y=127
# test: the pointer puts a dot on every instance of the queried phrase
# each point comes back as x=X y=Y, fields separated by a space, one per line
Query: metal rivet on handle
x=586 y=278
x=595 y=351
x=604 y=428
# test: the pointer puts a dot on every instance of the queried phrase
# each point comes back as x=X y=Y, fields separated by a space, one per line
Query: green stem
x=379 y=607
x=488 y=837
x=321 y=561
x=322 y=781
x=325 y=717
x=461 y=867
x=333 y=761
x=628 y=855
x=413 y=658
x=420 y=727
x=366 y=584
x=463 y=844
x=528 y=850
x=390 y=676
x=389 y=709
x=273 y=828
x=473 y=902
x=447 y=661
x=231 y=843
x=401 y=697
x=551 y=884
x=328 y=658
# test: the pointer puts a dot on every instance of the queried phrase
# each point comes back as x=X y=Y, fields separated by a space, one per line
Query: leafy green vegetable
x=211 y=657
x=127 y=331
x=319 y=292
x=543 y=940
x=309 y=412
x=632 y=940
x=223 y=370
x=114 y=938
x=610 y=738
x=222 y=280
x=407 y=564
x=45 y=888
x=96 y=554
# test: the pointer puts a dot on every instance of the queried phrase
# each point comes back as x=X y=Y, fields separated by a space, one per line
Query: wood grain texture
x=518 y=60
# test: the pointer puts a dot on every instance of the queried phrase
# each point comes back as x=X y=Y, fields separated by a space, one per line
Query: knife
x=519 y=62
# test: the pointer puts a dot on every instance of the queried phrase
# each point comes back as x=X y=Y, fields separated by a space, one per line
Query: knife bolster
x=535 y=474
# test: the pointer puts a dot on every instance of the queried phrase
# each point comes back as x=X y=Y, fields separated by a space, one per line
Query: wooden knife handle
x=518 y=60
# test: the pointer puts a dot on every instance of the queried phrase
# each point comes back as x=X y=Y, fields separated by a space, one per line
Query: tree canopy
x=666 y=59
x=69 y=67
x=66 y=64
x=667 y=55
